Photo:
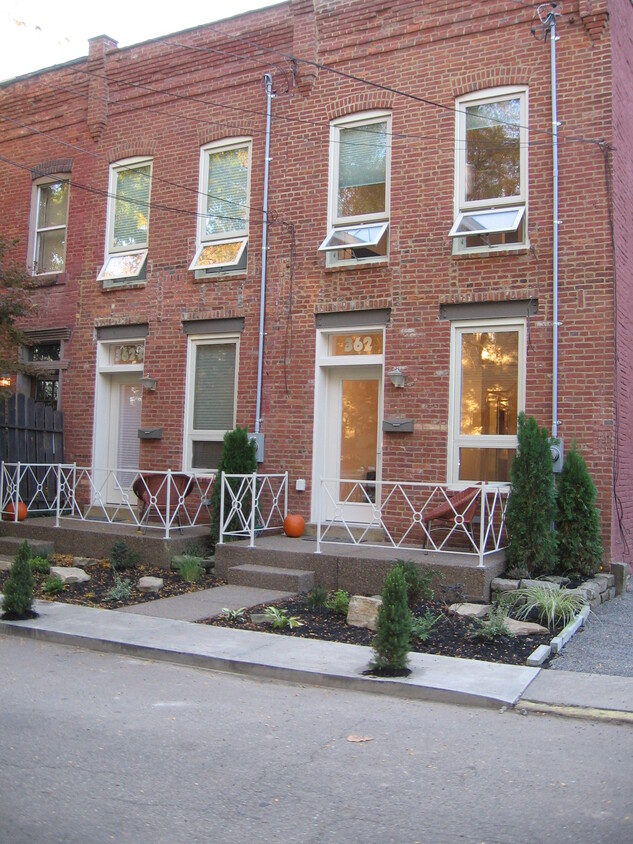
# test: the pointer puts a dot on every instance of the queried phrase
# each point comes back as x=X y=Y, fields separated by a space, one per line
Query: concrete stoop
x=271 y=577
x=41 y=547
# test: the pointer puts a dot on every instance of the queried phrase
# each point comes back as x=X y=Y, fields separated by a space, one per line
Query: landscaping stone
x=546 y=584
x=70 y=574
x=606 y=580
x=524 y=628
x=83 y=562
x=591 y=589
x=502 y=584
x=539 y=656
x=619 y=572
x=150 y=584
x=469 y=610
x=363 y=612
x=260 y=618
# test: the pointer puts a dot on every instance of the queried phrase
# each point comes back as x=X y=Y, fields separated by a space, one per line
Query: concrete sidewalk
x=321 y=663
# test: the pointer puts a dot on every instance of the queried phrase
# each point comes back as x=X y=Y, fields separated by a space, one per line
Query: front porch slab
x=361 y=569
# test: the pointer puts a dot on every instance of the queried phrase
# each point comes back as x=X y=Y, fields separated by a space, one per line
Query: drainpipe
x=551 y=25
x=268 y=83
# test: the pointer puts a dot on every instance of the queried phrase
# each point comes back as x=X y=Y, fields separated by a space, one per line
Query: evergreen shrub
x=18 y=590
x=578 y=519
x=531 y=507
x=239 y=457
x=392 y=642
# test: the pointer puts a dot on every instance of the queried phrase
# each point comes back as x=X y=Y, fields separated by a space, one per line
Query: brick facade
x=166 y=98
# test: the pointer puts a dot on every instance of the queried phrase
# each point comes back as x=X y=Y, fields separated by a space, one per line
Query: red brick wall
x=168 y=97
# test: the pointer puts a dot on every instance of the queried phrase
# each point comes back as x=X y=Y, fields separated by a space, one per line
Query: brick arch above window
x=228 y=129
x=366 y=101
x=481 y=80
x=48 y=168
x=133 y=149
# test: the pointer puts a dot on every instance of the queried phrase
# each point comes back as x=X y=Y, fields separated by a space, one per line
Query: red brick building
x=409 y=237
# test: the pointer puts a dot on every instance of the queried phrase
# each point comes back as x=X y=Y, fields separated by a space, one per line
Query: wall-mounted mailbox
x=398 y=426
x=150 y=433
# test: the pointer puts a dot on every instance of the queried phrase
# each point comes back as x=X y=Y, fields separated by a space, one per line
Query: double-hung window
x=487 y=395
x=491 y=171
x=211 y=399
x=48 y=228
x=127 y=235
x=223 y=208
x=358 y=203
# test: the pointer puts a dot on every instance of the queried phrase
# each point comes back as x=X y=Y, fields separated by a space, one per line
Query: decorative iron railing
x=156 y=500
x=456 y=518
x=241 y=520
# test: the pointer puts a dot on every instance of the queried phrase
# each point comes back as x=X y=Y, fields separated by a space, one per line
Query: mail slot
x=150 y=433
x=398 y=426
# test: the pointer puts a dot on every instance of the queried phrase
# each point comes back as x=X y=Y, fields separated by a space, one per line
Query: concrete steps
x=41 y=547
x=271 y=577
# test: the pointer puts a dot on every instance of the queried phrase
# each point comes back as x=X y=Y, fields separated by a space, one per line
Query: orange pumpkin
x=294 y=525
x=9 y=512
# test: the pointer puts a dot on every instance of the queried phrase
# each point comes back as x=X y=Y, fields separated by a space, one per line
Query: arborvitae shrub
x=532 y=504
x=577 y=520
x=393 y=631
x=18 y=590
x=239 y=457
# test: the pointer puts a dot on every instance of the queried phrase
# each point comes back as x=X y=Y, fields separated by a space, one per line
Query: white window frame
x=35 y=229
x=137 y=256
x=347 y=225
x=465 y=209
x=238 y=236
x=457 y=440
x=205 y=435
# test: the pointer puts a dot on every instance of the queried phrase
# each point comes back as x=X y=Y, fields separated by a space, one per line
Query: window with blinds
x=358 y=208
x=223 y=210
x=211 y=400
x=128 y=221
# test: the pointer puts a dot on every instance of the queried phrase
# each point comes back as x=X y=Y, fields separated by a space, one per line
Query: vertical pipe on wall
x=551 y=23
x=268 y=83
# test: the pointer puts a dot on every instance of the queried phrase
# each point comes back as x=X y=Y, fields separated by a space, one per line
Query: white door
x=353 y=442
x=124 y=420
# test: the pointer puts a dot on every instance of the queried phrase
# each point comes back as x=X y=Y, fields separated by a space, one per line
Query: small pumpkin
x=294 y=525
x=10 y=511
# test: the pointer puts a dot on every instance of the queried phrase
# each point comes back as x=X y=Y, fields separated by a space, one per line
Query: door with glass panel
x=353 y=442
x=124 y=420
x=488 y=373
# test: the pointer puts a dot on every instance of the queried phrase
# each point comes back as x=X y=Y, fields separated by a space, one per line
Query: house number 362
x=359 y=345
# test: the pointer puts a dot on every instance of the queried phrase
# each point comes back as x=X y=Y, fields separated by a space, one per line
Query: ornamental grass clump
x=18 y=590
x=577 y=519
x=531 y=509
x=392 y=642
x=550 y=607
x=190 y=568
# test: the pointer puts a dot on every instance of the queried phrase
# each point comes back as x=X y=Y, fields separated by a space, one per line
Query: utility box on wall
x=556 y=447
x=258 y=439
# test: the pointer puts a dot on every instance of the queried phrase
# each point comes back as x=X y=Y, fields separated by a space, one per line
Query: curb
x=586 y=713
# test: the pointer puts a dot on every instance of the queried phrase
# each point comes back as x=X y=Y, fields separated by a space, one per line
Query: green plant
x=239 y=457
x=496 y=625
x=392 y=642
x=190 y=568
x=316 y=598
x=549 y=606
x=418 y=581
x=53 y=585
x=421 y=625
x=531 y=506
x=40 y=565
x=122 y=557
x=233 y=615
x=578 y=519
x=18 y=590
x=121 y=591
x=281 y=619
x=339 y=602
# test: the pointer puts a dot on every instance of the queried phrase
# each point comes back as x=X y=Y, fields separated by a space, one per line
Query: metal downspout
x=268 y=82
x=556 y=222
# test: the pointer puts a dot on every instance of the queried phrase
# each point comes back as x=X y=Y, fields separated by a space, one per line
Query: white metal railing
x=465 y=518
x=156 y=500
x=239 y=519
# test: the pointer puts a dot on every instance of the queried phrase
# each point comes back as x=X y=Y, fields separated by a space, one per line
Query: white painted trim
x=115 y=168
x=33 y=221
x=225 y=145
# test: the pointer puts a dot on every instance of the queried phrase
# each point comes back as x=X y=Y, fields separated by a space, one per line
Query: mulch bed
x=451 y=636
x=94 y=592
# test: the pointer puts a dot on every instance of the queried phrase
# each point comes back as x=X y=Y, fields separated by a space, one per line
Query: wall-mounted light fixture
x=148 y=383
x=5 y=381
x=396 y=376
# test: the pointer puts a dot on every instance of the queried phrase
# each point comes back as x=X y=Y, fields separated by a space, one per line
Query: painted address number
x=358 y=344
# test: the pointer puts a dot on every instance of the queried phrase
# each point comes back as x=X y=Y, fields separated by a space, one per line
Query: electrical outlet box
x=556 y=447
x=258 y=439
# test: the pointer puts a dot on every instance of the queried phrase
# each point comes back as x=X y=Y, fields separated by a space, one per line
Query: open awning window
x=123 y=265
x=364 y=240
x=220 y=255
x=487 y=222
